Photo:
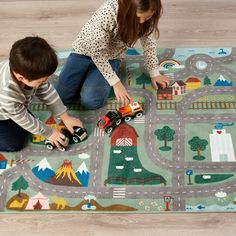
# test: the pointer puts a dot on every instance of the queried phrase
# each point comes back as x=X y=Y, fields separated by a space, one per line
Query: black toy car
x=79 y=135
x=51 y=146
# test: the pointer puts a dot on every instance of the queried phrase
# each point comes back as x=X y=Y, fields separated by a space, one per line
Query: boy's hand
x=160 y=81
x=57 y=138
x=70 y=122
x=121 y=93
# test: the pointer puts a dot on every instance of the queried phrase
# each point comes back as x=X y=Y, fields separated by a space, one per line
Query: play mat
x=178 y=157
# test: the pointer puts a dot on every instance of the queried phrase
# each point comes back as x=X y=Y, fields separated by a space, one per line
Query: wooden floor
x=185 y=23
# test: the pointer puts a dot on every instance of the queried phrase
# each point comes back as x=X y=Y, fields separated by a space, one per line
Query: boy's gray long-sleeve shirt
x=99 y=40
x=14 y=102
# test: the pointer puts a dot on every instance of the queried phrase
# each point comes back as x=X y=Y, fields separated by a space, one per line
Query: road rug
x=177 y=156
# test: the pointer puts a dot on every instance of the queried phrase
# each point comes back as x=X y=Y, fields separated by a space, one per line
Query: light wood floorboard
x=185 y=23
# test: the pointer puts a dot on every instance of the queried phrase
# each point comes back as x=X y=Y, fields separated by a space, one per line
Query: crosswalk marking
x=98 y=132
x=119 y=192
x=139 y=120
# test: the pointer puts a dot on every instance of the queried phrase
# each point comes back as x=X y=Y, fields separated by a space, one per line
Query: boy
x=25 y=75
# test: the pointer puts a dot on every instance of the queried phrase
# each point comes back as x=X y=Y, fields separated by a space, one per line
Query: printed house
x=51 y=122
x=165 y=94
x=124 y=135
x=179 y=87
x=38 y=138
x=3 y=162
x=193 y=83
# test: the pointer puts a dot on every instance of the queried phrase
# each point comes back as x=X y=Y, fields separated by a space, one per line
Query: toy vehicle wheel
x=62 y=149
x=108 y=130
x=98 y=123
x=75 y=139
x=49 y=146
x=139 y=114
x=118 y=121
x=127 y=118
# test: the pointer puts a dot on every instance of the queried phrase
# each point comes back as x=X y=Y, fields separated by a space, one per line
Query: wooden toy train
x=113 y=118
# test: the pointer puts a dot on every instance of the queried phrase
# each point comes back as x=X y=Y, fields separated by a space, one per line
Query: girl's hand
x=57 y=138
x=70 y=122
x=160 y=81
x=121 y=93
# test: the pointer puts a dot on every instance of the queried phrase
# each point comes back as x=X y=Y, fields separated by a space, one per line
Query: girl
x=91 y=68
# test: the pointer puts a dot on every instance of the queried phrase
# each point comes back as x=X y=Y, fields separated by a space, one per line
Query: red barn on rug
x=125 y=135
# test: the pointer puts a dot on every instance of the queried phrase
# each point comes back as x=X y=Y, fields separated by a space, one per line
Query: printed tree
x=143 y=79
x=207 y=81
x=165 y=134
x=20 y=184
x=197 y=144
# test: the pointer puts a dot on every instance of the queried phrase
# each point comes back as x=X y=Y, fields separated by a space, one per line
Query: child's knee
x=93 y=99
x=12 y=148
x=13 y=144
x=92 y=104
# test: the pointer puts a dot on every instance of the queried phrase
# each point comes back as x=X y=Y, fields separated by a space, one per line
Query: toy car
x=79 y=135
x=114 y=118
x=51 y=146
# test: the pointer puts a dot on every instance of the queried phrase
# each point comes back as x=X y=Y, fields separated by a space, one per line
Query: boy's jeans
x=80 y=78
x=12 y=136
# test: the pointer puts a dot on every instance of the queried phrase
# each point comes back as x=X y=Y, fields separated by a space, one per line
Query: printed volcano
x=65 y=175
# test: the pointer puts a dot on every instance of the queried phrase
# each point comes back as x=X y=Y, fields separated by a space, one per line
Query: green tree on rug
x=20 y=184
x=143 y=79
x=197 y=144
x=207 y=81
x=165 y=134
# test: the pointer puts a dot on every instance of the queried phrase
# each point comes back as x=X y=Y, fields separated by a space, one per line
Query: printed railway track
x=43 y=107
x=171 y=105
x=76 y=106
x=161 y=105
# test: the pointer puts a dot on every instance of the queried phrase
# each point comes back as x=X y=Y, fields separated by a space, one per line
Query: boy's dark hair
x=33 y=58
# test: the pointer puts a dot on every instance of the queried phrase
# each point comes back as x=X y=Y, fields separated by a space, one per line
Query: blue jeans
x=12 y=136
x=81 y=78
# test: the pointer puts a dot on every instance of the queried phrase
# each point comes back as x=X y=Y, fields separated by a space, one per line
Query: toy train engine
x=114 y=118
x=108 y=121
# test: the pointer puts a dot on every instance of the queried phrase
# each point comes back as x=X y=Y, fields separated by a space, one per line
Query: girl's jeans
x=81 y=78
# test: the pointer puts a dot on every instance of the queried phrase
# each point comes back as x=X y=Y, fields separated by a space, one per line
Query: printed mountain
x=83 y=174
x=65 y=176
x=43 y=170
x=222 y=82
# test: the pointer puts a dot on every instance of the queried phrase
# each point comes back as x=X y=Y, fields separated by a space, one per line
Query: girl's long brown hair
x=129 y=28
